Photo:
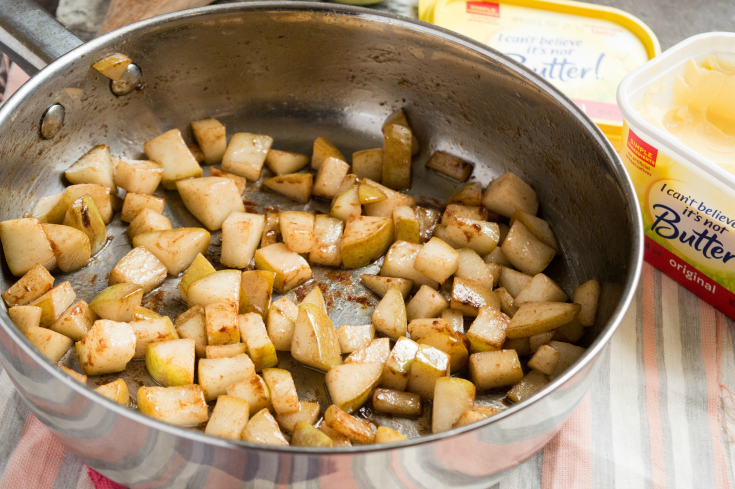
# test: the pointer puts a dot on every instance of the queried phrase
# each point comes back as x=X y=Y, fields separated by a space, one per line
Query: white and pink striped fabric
x=660 y=414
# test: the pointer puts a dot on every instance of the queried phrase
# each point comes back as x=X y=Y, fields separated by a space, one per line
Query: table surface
x=661 y=412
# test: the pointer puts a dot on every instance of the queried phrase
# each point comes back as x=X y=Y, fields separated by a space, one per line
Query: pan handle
x=32 y=37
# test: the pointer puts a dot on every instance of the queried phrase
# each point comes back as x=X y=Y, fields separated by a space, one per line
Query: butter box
x=687 y=200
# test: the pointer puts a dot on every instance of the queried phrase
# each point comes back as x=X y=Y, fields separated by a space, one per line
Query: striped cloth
x=660 y=413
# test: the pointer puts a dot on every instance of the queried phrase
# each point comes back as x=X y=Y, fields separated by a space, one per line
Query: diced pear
x=388 y=435
x=327 y=249
x=221 y=323
x=170 y=151
x=284 y=397
x=297 y=229
x=399 y=262
x=25 y=317
x=241 y=233
x=348 y=426
x=541 y=289
x=308 y=412
x=192 y=324
x=171 y=363
x=283 y=162
x=329 y=177
x=305 y=435
x=487 y=332
x=522 y=346
x=396 y=156
x=116 y=391
x=140 y=177
x=389 y=317
x=385 y=207
x=54 y=302
x=507 y=303
x=315 y=297
x=514 y=281
x=525 y=251
x=246 y=154
x=100 y=194
x=240 y=182
x=36 y=282
x=229 y=417
x=107 y=348
x=256 y=290
x=508 y=194
x=397 y=403
x=140 y=267
x=347 y=204
x=398 y=364
x=315 y=341
x=370 y=195
x=545 y=360
x=220 y=286
x=428 y=219
x=475 y=414
x=352 y=338
x=587 y=296
x=469 y=296
x=350 y=385
x=94 y=167
x=51 y=208
x=74 y=322
x=471 y=266
x=453 y=344
x=426 y=303
x=338 y=439
x=223 y=351
x=216 y=374
x=291 y=269
x=199 y=268
x=454 y=318
x=469 y=194
x=420 y=328
x=377 y=351
x=71 y=246
x=452 y=397
x=406 y=224
x=428 y=365
x=210 y=199
x=84 y=216
x=537 y=341
x=440 y=231
x=538 y=227
x=148 y=221
x=260 y=346
x=437 y=260
x=380 y=285
x=74 y=375
x=365 y=239
x=25 y=245
x=116 y=302
x=368 y=164
x=535 y=318
x=253 y=390
x=296 y=186
x=458 y=212
x=263 y=428
x=324 y=149
x=281 y=321
x=271 y=229
x=480 y=236
x=52 y=344
x=527 y=387
x=496 y=256
x=135 y=203
x=491 y=369
x=211 y=137
x=151 y=331
x=399 y=117
x=113 y=66
x=568 y=355
x=177 y=249
x=182 y=405
x=449 y=165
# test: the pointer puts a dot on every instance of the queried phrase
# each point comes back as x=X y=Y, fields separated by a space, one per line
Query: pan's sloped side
x=295 y=72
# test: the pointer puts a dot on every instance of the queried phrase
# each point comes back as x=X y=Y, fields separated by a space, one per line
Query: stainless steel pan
x=297 y=71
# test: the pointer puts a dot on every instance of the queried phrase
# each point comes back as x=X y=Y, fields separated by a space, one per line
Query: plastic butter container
x=584 y=50
x=678 y=108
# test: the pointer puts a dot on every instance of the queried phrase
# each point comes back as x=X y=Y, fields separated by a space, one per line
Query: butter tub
x=687 y=200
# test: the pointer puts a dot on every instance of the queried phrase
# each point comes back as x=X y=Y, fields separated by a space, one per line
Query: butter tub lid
x=584 y=50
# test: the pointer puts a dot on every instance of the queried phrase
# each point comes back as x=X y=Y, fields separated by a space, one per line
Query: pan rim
x=513 y=67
